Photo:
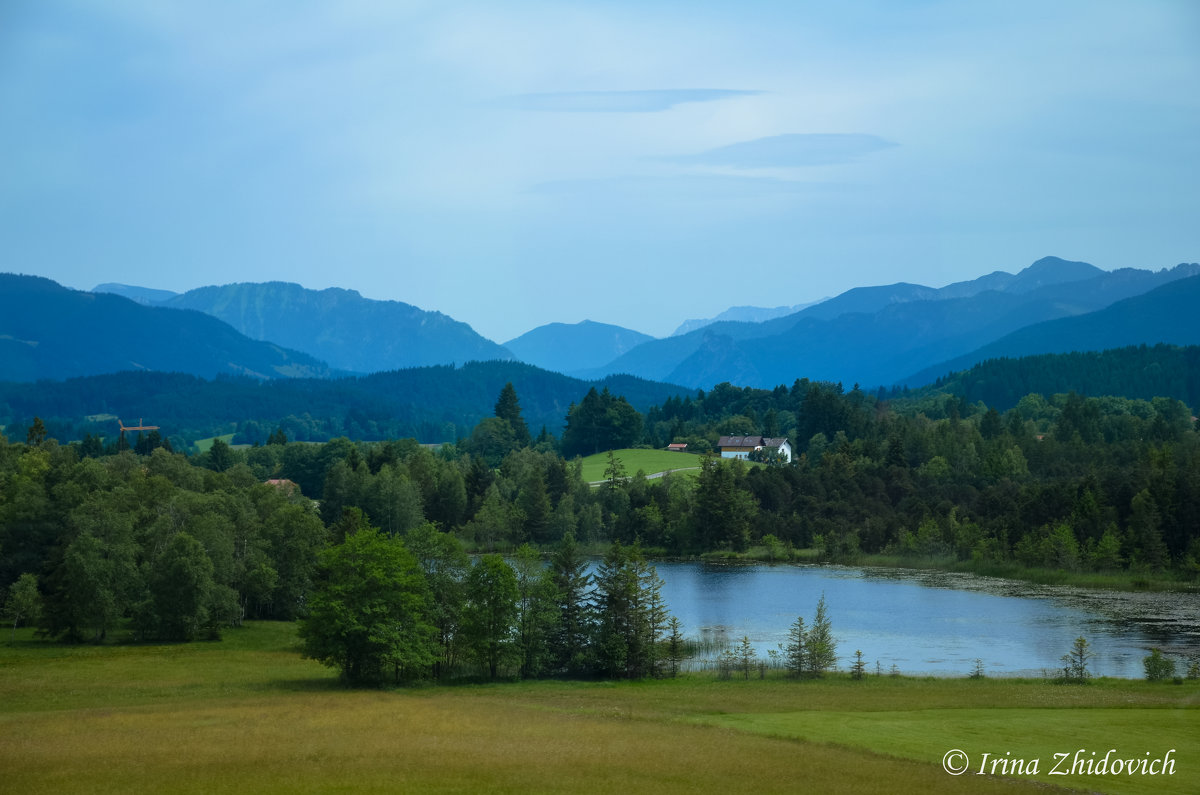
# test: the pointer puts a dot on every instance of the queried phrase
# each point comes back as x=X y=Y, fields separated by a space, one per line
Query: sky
x=512 y=164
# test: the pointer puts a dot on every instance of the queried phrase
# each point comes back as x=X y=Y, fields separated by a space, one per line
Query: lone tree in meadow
x=368 y=613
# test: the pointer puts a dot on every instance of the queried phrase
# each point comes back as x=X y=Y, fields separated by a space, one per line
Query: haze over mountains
x=877 y=335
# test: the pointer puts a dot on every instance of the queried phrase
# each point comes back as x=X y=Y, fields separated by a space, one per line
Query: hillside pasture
x=649 y=461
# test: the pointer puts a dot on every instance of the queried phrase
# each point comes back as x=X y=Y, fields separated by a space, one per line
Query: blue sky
x=514 y=164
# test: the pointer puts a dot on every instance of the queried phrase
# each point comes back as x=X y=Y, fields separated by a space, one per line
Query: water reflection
x=932 y=622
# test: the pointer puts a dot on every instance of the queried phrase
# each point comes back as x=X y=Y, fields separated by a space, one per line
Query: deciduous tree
x=368 y=612
x=490 y=617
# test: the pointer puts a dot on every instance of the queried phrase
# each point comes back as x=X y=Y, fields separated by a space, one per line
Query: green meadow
x=247 y=714
x=204 y=445
x=648 y=461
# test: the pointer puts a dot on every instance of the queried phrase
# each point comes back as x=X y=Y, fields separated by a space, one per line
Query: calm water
x=931 y=622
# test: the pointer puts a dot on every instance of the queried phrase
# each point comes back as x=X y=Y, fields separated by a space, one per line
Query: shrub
x=1158 y=667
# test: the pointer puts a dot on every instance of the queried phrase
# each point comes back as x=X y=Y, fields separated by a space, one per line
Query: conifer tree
x=569 y=640
x=820 y=648
x=795 y=653
x=509 y=408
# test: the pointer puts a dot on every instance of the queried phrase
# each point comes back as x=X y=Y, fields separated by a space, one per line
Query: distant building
x=677 y=447
x=743 y=446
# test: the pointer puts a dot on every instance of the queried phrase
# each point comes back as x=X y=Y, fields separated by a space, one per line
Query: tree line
x=176 y=546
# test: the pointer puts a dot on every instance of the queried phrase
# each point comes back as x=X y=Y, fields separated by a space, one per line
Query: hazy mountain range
x=50 y=332
x=338 y=326
x=880 y=335
x=885 y=335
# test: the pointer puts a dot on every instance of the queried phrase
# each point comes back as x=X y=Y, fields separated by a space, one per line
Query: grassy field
x=649 y=461
x=249 y=715
x=204 y=445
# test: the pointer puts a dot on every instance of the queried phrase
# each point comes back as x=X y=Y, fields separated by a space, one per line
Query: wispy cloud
x=789 y=151
x=690 y=186
x=617 y=101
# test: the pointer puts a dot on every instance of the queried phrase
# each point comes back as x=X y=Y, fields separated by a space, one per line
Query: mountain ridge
x=574 y=347
x=108 y=333
x=882 y=334
x=341 y=327
x=1164 y=315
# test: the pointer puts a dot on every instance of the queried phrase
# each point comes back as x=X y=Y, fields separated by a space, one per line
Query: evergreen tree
x=570 y=637
x=508 y=408
x=630 y=614
x=746 y=655
x=675 y=646
x=614 y=601
x=859 y=669
x=36 y=433
x=819 y=645
x=723 y=512
x=795 y=652
x=1075 y=663
x=534 y=504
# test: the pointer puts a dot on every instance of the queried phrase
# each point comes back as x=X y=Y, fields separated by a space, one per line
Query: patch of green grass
x=648 y=461
x=204 y=445
x=1011 y=570
x=991 y=738
x=248 y=714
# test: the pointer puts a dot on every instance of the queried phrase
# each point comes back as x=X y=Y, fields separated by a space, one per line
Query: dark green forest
x=156 y=544
x=1137 y=372
x=432 y=404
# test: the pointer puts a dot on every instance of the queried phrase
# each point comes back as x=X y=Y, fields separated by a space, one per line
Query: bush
x=1158 y=667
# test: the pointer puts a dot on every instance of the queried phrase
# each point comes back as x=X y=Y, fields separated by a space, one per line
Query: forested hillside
x=1163 y=315
x=432 y=404
x=1142 y=372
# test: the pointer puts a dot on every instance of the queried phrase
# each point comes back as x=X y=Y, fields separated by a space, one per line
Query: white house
x=743 y=446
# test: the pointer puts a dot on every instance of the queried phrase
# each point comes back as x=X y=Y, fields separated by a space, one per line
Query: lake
x=933 y=623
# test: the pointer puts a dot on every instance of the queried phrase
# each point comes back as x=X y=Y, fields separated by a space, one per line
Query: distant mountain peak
x=341 y=327
x=744 y=314
x=574 y=347
x=143 y=295
x=1051 y=270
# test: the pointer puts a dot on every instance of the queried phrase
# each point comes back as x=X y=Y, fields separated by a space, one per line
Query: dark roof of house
x=740 y=441
x=751 y=441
